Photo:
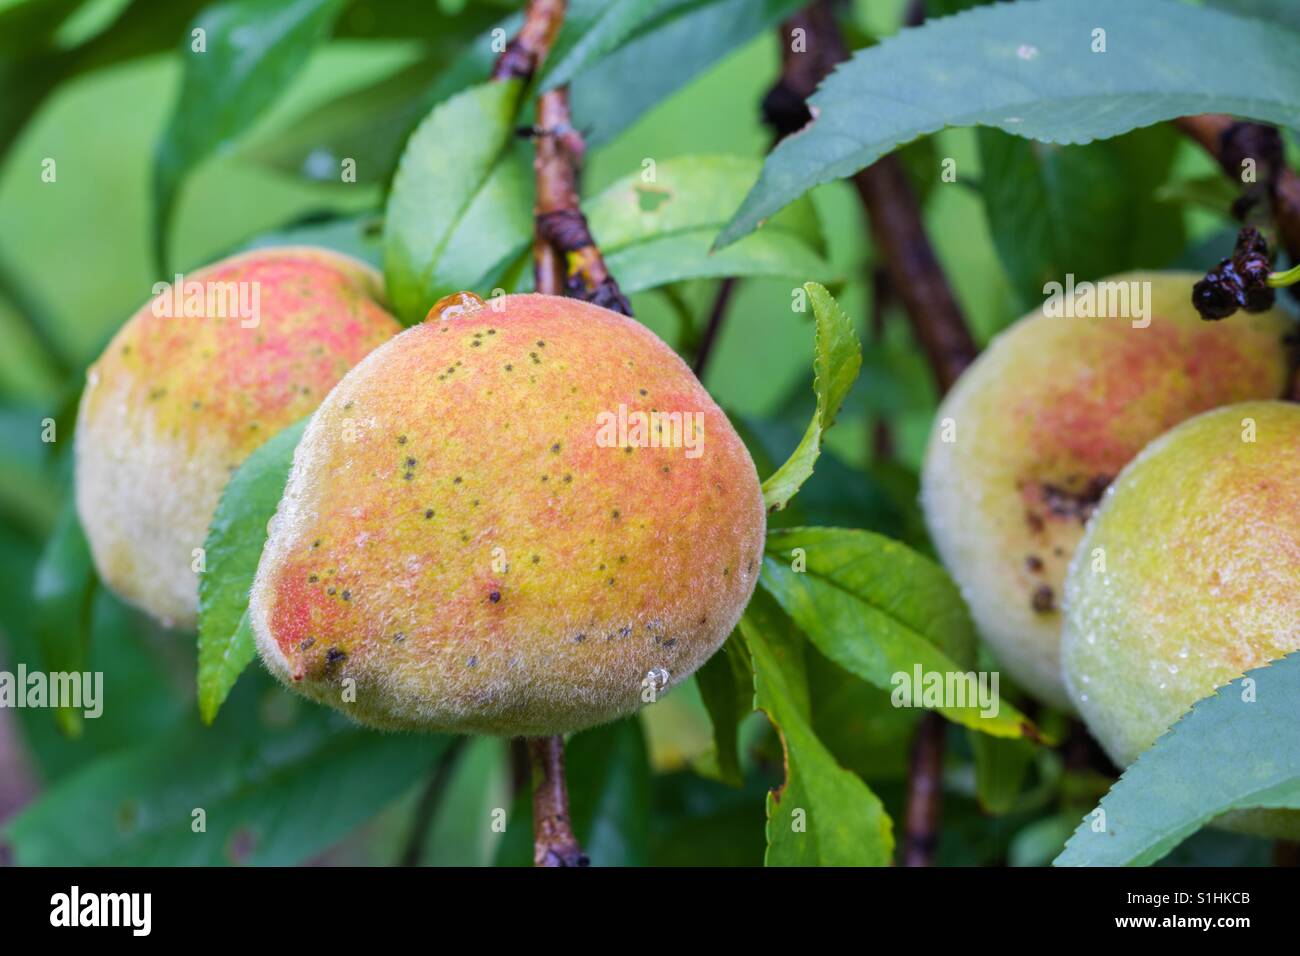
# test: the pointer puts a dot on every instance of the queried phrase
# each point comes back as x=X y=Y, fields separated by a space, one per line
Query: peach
x=189 y=386
x=519 y=519
x=1188 y=574
x=1029 y=438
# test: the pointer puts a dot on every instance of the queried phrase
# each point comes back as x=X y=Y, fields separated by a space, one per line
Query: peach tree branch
x=566 y=260
x=920 y=285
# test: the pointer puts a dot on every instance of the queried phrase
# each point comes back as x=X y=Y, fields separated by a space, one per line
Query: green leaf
x=1033 y=194
x=726 y=684
x=943 y=8
x=28 y=498
x=28 y=24
x=609 y=793
x=357 y=236
x=1282 y=12
x=254 y=49
x=32 y=64
x=592 y=29
x=655 y=233
x=430 y=23
x=1030 y=69
x=1001 y=766
x=143 y=695
x=232 y=550
x=836 y=362
x=1214 y=193
x=663 y=55
x=881 y=497
x=878 y=609
x=689 y=255
x=368 y=125
x=1234 y=750
x=62 y=592
x=700 y=822
x=822 y=815
x=461 y=833
x=461 y=202
x=371 y=123
x=1040 y=841
x=145 y=27
x=277 y=784
x=684 y=194
x=858 y=722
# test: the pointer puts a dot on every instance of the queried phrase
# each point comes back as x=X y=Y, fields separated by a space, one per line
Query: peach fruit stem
x=1280 y=280
x=553 y=841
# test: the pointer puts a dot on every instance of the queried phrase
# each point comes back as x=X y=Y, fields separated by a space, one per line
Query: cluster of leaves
x=847 y=594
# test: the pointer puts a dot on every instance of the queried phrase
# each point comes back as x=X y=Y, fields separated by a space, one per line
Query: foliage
x=1233 y=751
x=189 y=128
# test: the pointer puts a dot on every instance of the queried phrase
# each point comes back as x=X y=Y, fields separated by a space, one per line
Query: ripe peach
x=189 y=386
x=1188 y=574
x=469 y=543
x=1031 y=435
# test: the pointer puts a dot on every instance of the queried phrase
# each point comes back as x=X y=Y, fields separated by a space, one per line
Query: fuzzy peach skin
x=457 y=550
x=1200 y=537
x=175 y=404
x=1043 y=421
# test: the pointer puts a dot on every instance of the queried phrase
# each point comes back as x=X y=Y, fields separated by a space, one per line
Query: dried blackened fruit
x=1239 y=282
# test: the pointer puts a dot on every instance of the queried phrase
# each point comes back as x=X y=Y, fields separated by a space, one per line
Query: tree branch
x=716 y=315
x=918 y=281
x=924 y=792
x=1230 y=142
x=553 y=841
x=574 y=260
x=881 y=439
x=915 y=274
x=525 y=53
x=565 y=258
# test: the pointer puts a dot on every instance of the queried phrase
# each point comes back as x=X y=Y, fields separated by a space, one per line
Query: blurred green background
x=76 y=261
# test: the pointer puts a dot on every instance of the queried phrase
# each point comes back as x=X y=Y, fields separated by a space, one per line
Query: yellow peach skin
x=461 y=546
x=1034 y=431
x=189 y=386
x=1189 y=574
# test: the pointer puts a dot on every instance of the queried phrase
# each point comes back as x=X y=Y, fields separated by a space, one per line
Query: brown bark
x=566 y=260
x=525 y=53
x=560 y=223
x=918 y=282
x=924 y=792
x=716 y=314
x=915 y=274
